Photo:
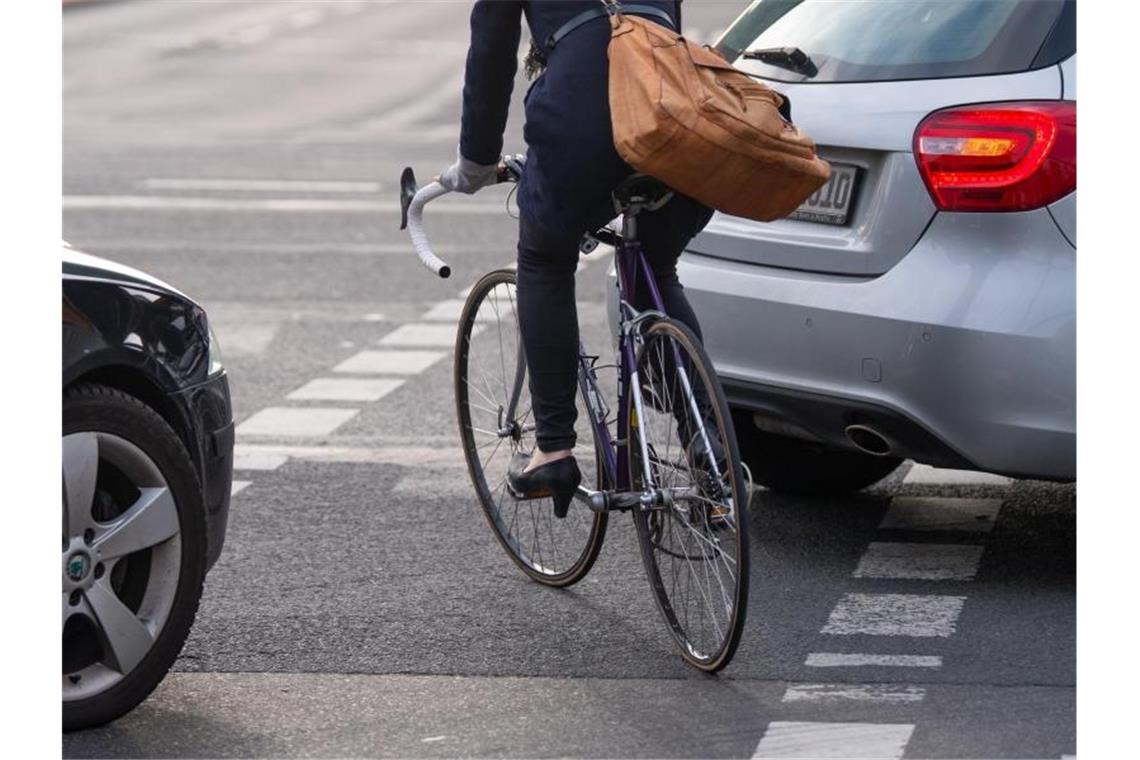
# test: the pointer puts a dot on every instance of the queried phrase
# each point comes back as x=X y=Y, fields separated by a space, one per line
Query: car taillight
x=999 y=156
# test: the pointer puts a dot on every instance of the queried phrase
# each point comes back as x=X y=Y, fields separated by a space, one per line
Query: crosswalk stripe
x=442 y=456
x=245 y=459
x=918 y=615
x=389 y=362
x=938 y=513
x=927 y=475
x=238 y=486
x=345 y=389
x=290 y=422
x=854 y=692
x=421 y=334
x=929 y=562
x=855 y=660
x=871 y=741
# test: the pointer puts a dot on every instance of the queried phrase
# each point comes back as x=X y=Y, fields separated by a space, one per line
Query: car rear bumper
x=968 y=343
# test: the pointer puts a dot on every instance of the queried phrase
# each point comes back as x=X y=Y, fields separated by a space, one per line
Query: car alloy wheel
x=121 y=558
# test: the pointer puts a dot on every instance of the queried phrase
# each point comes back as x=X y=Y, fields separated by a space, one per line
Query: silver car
x=922 y=304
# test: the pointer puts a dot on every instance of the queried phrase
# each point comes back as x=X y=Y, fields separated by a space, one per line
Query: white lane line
x=937 y=513
x=871 y=741
x=294 y=423
x=261 y=185
x=263 y=461
x=854 y=692
x=390 y=362
x=918 y=615
x=423 y=334
x=443 y=457
x=238 y=486
x=289 y=205
x=927 y=562
x=927 y=475
x=844 y=660
x=345 y=389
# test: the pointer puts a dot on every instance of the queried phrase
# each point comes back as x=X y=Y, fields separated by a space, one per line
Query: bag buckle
x=613 y=7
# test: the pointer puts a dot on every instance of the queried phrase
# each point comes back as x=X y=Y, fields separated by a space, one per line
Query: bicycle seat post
x=635 y=194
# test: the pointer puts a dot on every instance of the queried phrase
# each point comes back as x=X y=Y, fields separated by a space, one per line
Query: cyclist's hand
x=466 y=176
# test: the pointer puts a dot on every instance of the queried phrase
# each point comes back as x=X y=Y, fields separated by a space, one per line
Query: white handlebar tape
x=426 y=194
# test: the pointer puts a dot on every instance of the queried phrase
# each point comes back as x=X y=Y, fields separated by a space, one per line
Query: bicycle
x=656 y=457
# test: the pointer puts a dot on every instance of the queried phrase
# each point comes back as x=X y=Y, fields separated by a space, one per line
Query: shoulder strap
x=609 y=7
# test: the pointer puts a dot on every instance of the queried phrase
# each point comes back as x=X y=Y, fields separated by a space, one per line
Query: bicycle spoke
x=489 y=380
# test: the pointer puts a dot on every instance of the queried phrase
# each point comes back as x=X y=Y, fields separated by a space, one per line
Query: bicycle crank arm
x=623 y=501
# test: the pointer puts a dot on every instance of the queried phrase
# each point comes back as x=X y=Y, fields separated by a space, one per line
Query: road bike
x=665 y=451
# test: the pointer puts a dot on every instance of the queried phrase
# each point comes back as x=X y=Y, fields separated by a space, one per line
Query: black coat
x=571 y=162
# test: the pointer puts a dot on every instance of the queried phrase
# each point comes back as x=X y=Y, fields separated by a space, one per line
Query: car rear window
x=877 y=40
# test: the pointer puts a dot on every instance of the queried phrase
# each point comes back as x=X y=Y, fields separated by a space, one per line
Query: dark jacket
x=572 y=164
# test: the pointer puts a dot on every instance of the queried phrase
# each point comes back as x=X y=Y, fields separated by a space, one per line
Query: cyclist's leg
x=664 y=234
x=548 y=320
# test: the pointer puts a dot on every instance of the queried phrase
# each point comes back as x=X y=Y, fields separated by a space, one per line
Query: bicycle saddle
x=640 y=192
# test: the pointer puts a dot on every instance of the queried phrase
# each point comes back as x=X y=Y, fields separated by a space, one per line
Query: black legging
x=549 y=319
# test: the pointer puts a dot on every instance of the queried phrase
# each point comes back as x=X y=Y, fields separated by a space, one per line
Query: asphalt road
x=248 y=153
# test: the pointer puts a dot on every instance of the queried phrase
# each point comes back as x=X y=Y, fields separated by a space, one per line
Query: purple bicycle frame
x=630 y=263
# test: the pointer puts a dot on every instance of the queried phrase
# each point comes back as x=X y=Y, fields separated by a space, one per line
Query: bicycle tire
x=573 y=542
x=691 y=534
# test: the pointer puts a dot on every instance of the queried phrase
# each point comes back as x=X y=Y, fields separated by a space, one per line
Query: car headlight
x=215 y=352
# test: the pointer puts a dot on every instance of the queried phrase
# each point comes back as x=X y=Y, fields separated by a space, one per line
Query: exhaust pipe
x=868 y=440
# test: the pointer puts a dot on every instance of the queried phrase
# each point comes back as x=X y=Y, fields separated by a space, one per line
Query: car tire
x=170 y=572
x=802 y=468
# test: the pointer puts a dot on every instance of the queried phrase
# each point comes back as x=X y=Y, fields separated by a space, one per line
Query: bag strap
x=609 y=8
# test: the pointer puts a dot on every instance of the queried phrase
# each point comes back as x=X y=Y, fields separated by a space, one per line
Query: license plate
x=830 y=203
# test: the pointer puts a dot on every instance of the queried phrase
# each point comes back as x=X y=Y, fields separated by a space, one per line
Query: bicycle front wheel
x=695 y=545
x=492 y=397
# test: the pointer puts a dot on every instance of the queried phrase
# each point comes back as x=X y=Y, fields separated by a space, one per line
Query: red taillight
x=999 y=156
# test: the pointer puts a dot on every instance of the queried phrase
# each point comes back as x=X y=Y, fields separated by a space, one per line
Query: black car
x=147 y=469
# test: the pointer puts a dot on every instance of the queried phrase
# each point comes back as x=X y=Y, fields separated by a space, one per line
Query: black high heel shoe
x=557 y=480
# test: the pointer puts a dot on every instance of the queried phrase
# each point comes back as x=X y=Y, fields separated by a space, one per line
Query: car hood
x=77 y=264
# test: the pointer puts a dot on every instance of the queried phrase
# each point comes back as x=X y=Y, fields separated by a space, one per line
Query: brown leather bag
x=685 y=116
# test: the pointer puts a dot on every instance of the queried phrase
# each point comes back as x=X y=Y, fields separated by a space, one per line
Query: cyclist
x=565 y=191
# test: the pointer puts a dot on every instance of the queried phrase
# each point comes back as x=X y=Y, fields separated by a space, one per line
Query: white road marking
x=262 y=185
x=294 y=423
x=287 y=205
x=422 y=334
x=445 y=311
x=450 y=311
x=854 y=692
x=238 y=486
x=842 y=660
x=927 y=475
x=245 y=459
x=447 y=457
x=919 y=615
x=345 y=389
x=390 y=362
x=938 y=513
x=871 y=741
x=928 y=562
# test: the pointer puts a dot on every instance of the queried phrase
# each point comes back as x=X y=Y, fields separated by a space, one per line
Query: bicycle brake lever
x=408 y=189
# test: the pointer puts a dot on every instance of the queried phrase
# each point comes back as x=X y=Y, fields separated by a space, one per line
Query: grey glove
x=466 y=176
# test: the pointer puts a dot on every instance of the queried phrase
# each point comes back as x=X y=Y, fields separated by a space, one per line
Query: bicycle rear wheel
x=492 y=399
x=695 y=547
